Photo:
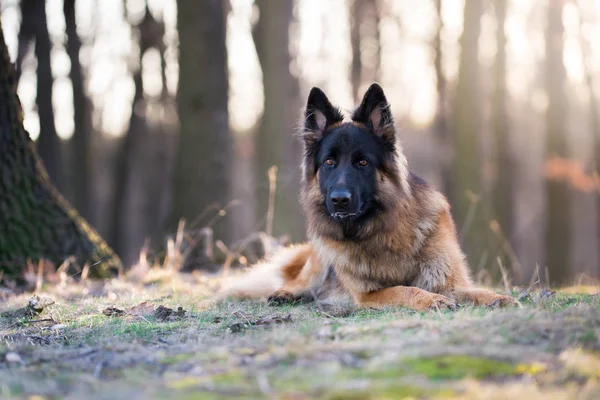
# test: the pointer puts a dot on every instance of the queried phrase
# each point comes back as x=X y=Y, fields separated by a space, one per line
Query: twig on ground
x=272 y=173
x=504 y=276
x=473 y=202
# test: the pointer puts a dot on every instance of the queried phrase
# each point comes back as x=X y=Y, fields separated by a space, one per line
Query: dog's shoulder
x=428 y=200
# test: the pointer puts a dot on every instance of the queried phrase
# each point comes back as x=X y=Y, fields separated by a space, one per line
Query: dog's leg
x=481 y=297
x=405 y=296
x=289 y=292
x=297 y=284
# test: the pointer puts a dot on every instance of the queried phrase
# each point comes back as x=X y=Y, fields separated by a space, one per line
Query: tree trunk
x=121 y=233
x=48 y=142
x=587 y=53
x=275 y=142
x=81 y=154
x=26 y=34
x=364 y=25
x=467 y=185
x=557 y=193
x=356 y=67
x=441 y=123
x=36 y=222
x=501 y=192
x=146 y=157
x=202 y=172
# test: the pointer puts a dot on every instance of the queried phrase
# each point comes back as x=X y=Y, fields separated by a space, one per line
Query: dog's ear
x=374 y=112
x=319 y=115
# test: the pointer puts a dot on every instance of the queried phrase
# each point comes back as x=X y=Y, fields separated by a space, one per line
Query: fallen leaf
x=237 y=327
x=267 y=320
x=34 y=307
x=273 y=319
x=113 y=312
x=163 y=313
x=38 y=304
x=143 y=309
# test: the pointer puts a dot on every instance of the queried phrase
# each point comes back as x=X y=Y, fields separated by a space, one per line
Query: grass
x=547 y=348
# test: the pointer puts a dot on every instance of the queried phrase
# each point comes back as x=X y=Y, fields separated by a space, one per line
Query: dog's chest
x=364 y=269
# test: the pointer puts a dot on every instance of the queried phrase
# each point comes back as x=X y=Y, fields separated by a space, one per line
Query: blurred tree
x=441 y=123
x=558 y=231
x=202 y=172
x=144 y=166
x=356 y=67
x=503 y=168
x=365 y=42
x=81 y=154
x=36 y=222
x=34 y=27
x=587 y=60
x=25 y=37
x=467 y=187
x=275 y=141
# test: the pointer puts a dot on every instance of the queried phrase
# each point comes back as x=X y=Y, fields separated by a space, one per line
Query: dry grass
x=72 y=349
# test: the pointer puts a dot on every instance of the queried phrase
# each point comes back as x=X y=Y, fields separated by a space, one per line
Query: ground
x=110 y=340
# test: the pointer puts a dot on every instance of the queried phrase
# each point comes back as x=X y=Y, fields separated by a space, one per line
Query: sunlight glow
x=11 y=16
x=572 y=56
x=27 y=91
x=109 y=55
x=245 y=76
x=151 y=66
x=62 y=102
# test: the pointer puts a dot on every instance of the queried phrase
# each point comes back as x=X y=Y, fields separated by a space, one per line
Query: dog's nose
x=341 y=198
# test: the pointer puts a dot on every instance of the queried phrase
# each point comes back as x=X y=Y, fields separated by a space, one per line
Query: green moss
x=385 y=393
x=588 y=337
x=459 y=366
x=176 y=358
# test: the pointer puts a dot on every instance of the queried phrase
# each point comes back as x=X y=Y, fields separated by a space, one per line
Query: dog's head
x=352 y=170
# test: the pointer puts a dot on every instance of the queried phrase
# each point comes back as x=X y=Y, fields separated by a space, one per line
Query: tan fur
x=407 y=256
x=414 y=261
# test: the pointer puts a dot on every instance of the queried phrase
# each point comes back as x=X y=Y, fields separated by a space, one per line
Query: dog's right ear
x=319 y=115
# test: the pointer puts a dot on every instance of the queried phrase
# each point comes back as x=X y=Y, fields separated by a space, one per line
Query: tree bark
x=121 y=221
x=48 y=142
x=202 y=172
x=145 y=161
x=81 y=155
x=36 y=222
x=26 y=34
x=275 y=142
x=558 y=231
x=441 y=118
x=356 y=67
x=364 y=25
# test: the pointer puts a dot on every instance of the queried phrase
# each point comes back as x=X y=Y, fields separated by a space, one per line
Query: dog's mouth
x=346 y=215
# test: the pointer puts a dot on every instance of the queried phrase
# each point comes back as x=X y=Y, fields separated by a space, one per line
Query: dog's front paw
x=281 y=297
x=439 y=302
x=503 y=301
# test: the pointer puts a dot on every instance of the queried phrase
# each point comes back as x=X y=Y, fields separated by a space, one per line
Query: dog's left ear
x=374 y=112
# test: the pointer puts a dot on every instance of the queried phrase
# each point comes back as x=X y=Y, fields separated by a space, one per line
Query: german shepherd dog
x=378 y=234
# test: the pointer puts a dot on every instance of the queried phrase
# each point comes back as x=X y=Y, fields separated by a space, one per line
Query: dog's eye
x=329 y=162
x=363 y=163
